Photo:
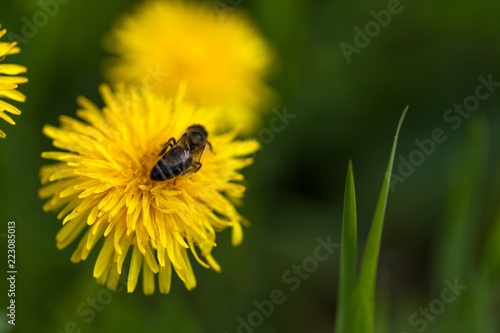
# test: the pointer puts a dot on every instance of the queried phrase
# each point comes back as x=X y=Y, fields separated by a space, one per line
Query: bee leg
x=193 y=169
x=210 y=146
x=169 y=144
x=196 y=166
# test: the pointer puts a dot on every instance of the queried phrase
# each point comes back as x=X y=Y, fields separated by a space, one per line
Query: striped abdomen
x=173 y=163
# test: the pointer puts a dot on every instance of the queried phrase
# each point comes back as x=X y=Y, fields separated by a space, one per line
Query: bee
x=182 y=156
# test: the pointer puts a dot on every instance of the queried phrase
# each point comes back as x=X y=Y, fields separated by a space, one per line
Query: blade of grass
x=348 y=253
x=485 y=299
x=364 y=318
x=491 y=251
x=456 y=237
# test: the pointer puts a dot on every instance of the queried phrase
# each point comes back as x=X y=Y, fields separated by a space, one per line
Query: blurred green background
x=429 y=56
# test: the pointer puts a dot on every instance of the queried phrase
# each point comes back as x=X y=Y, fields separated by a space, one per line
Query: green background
x=429 y=56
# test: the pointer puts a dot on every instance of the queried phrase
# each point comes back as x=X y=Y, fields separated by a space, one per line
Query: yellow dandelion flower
x=101 y=187
x=8 y=84
x=225 y=61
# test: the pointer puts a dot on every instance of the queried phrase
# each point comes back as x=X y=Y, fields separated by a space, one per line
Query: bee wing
x=182 y=141
x=196 y=155
x=171 y=143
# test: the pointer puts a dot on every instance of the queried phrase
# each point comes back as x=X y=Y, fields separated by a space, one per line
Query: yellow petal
x=12 y=69
x=13 y=95
x=104 y=257
x=135 y=268
x=148 y=280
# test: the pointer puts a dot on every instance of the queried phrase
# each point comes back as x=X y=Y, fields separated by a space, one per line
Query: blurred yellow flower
x=101 y=184
x=224 y=61
x=8 y=84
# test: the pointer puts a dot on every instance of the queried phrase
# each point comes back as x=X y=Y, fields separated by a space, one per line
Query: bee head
x=197 y=135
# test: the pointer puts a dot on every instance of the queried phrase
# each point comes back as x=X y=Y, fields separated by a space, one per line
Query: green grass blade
x=348 y=253
x=491 y=254
x=457 y=237
x=365 y=291
x=481 y=291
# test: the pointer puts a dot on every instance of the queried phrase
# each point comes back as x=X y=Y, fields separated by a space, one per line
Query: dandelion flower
x=8 y=84
x=224 y=60
x=100 y=186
